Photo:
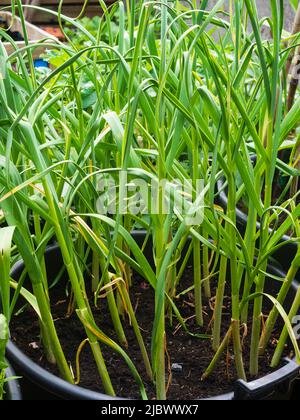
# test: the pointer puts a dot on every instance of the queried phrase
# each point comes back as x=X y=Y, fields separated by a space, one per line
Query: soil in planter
x=189 y=354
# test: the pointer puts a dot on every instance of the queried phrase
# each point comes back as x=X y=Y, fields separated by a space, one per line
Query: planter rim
x=61 y=388
x=48 y=381
x=13 y=389
x=239 y=213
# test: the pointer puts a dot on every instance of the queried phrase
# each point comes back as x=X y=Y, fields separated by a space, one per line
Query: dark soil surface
x=194 y=355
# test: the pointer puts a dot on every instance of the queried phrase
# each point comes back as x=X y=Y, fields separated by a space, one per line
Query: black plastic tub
x=284 y=256
x=38 y=384
x=12 y=387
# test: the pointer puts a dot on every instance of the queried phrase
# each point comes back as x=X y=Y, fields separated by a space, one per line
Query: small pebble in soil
x=34 y=346
x=177 y=368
